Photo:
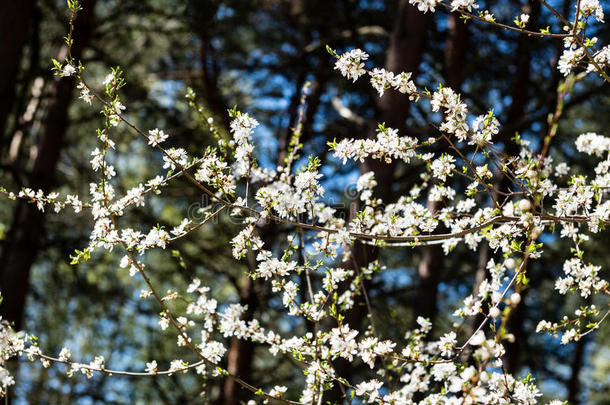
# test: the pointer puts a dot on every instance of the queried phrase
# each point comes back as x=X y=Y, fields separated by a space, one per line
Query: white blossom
x=351 y=65
x=156 y=136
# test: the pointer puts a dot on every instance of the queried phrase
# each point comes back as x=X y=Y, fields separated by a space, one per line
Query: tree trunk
x=241 y=351
x=430 y=266
x=405 y=51
x=26 y=233
x=15 y=18
x=25 y=123
x=209 y=70
x=520 y=97
x=573 y=384
x=455 y=51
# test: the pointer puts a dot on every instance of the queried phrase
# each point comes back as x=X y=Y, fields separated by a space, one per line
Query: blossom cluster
x=387 y=146
x=314 y=272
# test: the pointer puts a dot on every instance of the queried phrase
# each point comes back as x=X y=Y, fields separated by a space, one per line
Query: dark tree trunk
x=430 y=266
x=26 y=233
x=520 y=97
x=405 y=51
x=429 y=272
x=515 y=326
x=15 y=18
x=31 y=82
x=25 y=123
x=573 y=384
x=285 y=132
x=455 y=51
x=209 y=69
x=241 y=351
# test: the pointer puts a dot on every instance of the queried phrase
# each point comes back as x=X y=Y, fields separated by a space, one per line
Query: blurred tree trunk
x=573 y=384
x=285 y=132
x=24 y=125
x=241 y=351
x=26 y=233
x=317 y=89
x=240 y=354
x=25 y=107
x=455 y=51
x=430 y=266
x=405 y=52
x=15 y=16
x=205 y=21
x=518 y=107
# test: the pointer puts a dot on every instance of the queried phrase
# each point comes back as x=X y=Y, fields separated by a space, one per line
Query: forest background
x=260 y=55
